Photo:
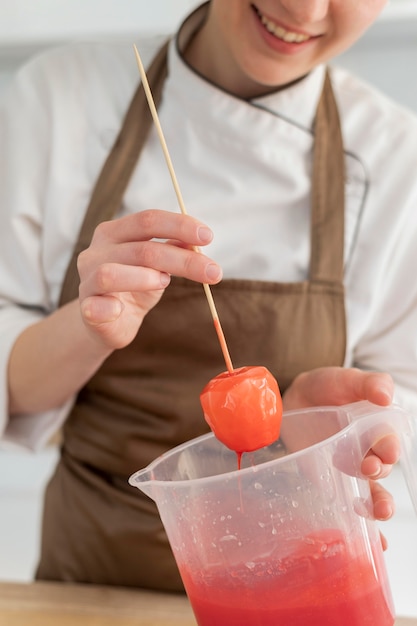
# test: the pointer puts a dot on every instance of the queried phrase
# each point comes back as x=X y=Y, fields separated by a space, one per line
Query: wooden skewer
x=167 y=156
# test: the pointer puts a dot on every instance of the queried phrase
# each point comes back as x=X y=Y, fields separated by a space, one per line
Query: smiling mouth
x=278 y=31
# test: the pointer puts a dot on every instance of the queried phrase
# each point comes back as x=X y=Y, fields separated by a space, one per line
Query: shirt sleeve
x=383 y=280
x=59 y=116
x=25 y=295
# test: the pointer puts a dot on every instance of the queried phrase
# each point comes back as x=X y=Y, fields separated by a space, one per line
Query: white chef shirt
x=244 y=168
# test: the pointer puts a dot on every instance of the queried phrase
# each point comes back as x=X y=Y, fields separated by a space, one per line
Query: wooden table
x=60 y=604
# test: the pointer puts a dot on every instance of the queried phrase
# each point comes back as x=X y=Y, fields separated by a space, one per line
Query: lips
x=279 y=31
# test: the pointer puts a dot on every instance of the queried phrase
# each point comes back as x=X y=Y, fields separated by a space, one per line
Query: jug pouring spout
x=142 y=479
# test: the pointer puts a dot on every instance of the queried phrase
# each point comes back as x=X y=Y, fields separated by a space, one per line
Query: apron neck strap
x=328 y=191
x=111 y=184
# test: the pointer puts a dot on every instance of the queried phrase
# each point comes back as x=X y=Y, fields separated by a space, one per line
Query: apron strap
x=108 y=192
x=328 y=191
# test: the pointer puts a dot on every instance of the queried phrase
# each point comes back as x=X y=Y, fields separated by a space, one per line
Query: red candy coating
x=243 y=408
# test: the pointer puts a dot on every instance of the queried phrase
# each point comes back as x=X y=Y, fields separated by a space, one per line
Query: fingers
x=373 y=468
x=142 y=266
x=152 y=224
x=101 y=310
x=384 y=454
x=135 y=241
x=115 y=277
x=353 y=384
x=382 y=500
x=376 y=387
x=337 y=386
x=129 y=263
x=384 y=541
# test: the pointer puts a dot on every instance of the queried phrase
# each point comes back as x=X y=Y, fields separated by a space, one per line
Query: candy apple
x=243 y=408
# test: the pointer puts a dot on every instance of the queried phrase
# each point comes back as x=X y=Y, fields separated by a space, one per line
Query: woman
x=104 y=325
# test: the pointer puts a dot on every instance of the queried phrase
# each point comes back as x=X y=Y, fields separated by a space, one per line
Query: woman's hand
x=337 y=386
x=123 y=275
x=129 y=264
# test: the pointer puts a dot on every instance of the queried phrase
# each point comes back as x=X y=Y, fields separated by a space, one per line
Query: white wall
x=387 y=54
x=28 y=26
x=36 y=20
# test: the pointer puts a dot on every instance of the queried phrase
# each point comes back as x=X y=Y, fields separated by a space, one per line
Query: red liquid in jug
x=318 y=584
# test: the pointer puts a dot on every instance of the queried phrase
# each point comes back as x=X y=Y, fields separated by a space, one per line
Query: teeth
x=281 y=33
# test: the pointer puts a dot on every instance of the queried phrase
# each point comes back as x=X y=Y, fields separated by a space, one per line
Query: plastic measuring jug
x=289 y=538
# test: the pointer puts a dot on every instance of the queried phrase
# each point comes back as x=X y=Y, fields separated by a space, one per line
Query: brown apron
x=145 y=398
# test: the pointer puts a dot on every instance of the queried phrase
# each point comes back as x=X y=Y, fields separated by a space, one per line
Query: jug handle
x=369 y=422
